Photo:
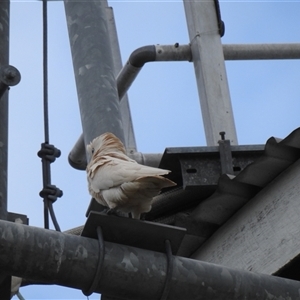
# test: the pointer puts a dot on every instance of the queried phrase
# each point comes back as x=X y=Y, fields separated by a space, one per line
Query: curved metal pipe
x=177 y=52
x=147 y=159
x=77 y=156
x=146 y=54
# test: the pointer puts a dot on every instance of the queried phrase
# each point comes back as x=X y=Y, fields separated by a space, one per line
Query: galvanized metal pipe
x=4 y=54
x=261 y=51
x=210 y=70
x=67 y=260
x=183 y=53
x=177 y=52
x=93 y=68
x=77 y=158
x=146 y=54
x=148 y=159
x=4 y=60
x=124 y=80
x=130 y=143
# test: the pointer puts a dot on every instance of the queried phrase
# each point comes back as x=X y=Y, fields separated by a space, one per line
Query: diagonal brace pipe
x=77 y=156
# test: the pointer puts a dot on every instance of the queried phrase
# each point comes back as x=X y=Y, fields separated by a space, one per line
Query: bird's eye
x=93 y=150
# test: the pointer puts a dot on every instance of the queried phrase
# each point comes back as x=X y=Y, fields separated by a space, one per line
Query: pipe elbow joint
x=142 y=55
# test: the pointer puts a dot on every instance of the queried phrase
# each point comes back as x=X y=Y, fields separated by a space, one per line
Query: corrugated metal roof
x=205 y=207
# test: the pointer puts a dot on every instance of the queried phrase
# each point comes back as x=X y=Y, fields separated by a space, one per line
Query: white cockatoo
x=119 y=182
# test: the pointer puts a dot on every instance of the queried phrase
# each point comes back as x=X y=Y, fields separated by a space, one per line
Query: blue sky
x=164 y=99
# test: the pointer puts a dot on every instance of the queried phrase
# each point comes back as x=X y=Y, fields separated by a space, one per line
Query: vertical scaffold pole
x=210 y=70
x=4 y=54
x=4 y=48
x=130 y=143
x=93 y=67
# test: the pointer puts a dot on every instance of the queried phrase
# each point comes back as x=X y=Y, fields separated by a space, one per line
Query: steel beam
x=93 y=68
x=210 y=70
x=63 y=259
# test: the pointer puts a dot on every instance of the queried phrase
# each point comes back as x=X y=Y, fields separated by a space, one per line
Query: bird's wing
x=111 y=172
x=146 y=187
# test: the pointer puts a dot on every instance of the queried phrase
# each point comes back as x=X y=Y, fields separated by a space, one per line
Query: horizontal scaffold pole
x=68 y=260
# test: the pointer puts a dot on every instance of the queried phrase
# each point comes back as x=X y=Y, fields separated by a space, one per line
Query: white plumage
x=118 y=182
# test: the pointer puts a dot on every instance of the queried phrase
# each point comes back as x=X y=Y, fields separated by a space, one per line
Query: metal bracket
x=225 y=155
x=221 y=24
x=14 y=217
x=201 y=167
x=134 y=233
x=49 y=152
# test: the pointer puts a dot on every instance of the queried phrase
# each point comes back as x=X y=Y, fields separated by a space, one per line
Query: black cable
x=53 y=217
x=45 y=69
x=48 y=153
x=169 y=272
x=46 y=165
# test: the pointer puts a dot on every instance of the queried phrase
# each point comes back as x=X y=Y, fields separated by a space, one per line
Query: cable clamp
x=49 y=152
x=51 y=192
x=221 y=24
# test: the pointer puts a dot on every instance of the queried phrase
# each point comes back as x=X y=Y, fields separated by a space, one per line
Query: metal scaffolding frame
x=162 y=53
x=57 y=258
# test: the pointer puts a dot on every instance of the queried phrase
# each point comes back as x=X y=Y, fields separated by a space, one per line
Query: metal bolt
x=11 y=74
x=222 y=134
